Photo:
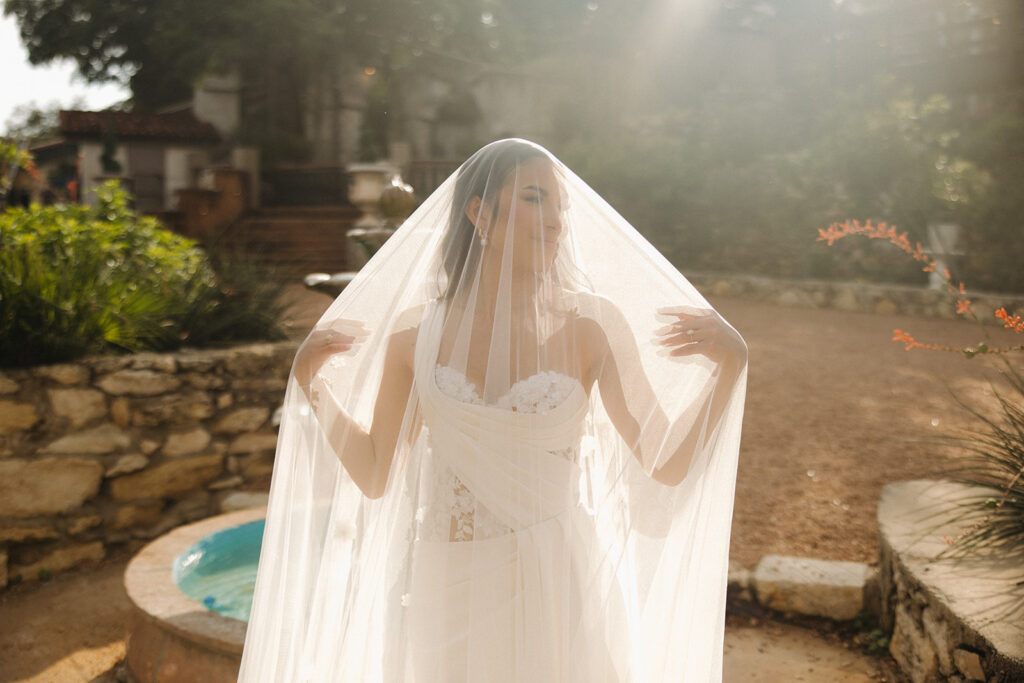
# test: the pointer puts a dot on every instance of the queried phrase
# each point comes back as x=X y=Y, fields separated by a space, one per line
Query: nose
x=552 y=224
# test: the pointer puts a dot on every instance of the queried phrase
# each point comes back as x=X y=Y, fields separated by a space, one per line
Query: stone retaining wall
x=113 y=448
x=952 y=618
x=851 y=296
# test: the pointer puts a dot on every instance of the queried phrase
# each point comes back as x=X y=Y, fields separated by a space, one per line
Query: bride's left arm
x=665 y=448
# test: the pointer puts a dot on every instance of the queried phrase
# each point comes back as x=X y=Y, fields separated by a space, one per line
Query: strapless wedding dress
x=501 y=566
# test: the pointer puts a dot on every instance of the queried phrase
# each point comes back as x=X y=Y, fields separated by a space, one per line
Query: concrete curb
x=807 y=586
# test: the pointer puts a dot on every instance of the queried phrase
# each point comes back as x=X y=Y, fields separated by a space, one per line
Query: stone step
x=821 y=588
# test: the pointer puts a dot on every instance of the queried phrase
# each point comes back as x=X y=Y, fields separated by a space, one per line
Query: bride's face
x=530 y=205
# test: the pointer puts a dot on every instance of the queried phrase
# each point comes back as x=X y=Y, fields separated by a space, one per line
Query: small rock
x=120 y=412
x=257 y=465
x=79 y=405
x=64 y=373
x=886 y=307
x=226 y=483
x=168 y=480
x=196 y=506
x=20 y=534
x=739 y=576
x=147 y=446
x=845 y=300
x=813 y=587
x=61 y=559
x=254 y=443
x=243 y=500
x=184 y=443
x=154 y=361
x=199 y=361
x=136 y=514
x=7 y=385
x=177 y=408
x=138 y=383
x=911 y=648
x=126 y=464
x=16 y=416
x=252 y=360
x=205 y=381
x=105 y=438
x=969 y=664
x=224 y=400
x=242 y=420
x=937 y=631
x=47 y=486
x=82 y=523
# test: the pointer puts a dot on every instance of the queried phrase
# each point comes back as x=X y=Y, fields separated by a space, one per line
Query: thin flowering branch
x=1011 y=322
x=906 y=338
x=882 y=230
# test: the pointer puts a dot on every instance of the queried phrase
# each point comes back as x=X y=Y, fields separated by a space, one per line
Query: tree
x=281 y=48
x=30 y=123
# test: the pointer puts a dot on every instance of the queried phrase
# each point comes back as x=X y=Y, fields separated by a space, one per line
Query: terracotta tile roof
x=178 y=126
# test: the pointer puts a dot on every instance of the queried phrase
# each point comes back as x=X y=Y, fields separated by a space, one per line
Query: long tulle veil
x=501 y=476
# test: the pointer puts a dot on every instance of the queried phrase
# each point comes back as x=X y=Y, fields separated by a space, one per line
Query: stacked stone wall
x=109 y=449
x=852 y=296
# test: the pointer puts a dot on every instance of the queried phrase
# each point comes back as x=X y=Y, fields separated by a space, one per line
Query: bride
x=508 y=453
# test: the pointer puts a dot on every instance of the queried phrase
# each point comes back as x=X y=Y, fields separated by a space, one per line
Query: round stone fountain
x=174 y=638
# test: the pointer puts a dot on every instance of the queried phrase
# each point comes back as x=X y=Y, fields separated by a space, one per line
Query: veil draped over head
x=488 y=468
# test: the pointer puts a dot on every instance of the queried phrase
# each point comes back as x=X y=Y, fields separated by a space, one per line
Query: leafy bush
x=82 y=279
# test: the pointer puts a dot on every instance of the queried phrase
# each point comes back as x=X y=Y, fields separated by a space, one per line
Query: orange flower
x=963 y=306
x=1010 y=322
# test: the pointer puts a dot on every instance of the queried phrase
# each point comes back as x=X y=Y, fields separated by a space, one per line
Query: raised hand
x=341 y=336
x=698 y=331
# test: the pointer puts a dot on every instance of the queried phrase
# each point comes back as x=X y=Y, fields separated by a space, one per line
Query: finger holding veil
x=507 y=453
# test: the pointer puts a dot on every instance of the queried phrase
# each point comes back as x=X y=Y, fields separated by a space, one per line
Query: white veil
x=488 y=469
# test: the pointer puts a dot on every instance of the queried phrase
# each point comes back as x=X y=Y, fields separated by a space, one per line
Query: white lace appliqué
x=454 y=514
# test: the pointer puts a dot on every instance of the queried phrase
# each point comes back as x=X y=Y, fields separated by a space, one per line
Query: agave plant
x=994 y=464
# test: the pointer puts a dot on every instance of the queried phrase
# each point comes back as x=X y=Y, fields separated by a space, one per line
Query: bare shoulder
x=598 y=316
x=402 y=340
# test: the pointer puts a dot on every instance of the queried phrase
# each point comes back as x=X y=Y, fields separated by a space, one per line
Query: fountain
x=191 y=590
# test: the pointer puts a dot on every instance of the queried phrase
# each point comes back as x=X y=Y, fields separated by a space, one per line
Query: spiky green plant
x=995 y=464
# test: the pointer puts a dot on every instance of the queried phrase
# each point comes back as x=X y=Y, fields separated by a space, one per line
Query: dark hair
x=482 y=175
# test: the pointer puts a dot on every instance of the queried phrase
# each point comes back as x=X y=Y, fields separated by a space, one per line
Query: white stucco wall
x=216 y=101
x=92 y=167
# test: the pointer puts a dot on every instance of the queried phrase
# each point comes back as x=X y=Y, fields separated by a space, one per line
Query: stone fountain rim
x=151 y=588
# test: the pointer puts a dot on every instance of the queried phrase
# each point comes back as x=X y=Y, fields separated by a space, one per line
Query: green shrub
x=82 y=279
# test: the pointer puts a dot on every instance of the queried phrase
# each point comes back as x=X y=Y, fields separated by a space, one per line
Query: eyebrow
x=536 y=188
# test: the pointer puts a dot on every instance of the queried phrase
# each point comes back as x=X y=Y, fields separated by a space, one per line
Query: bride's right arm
x=367 y=453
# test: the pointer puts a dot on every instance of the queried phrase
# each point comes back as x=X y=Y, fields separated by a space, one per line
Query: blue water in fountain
x=219 y=571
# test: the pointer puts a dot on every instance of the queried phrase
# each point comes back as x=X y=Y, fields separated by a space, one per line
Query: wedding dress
x=500 y=476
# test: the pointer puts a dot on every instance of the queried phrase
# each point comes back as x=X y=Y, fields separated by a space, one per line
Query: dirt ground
x=834 y=411
x=71 y=630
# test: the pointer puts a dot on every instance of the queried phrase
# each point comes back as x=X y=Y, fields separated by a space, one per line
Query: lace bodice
x=451 y=512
